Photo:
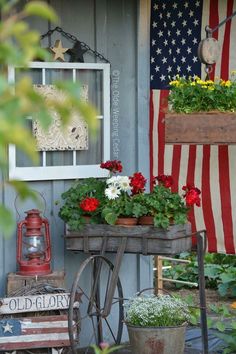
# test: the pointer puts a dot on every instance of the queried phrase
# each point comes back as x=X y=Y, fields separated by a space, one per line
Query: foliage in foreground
x=220 y=272
x=104 y=348
x=226 y=327
x=18 y=46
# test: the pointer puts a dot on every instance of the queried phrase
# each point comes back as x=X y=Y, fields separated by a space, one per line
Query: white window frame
x=40 y=173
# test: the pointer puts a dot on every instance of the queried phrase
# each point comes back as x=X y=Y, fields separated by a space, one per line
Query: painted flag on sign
x=176 y=28
x=34 y=332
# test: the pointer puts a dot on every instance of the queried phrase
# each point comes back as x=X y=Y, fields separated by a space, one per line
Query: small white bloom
x=114 y=181
x=112 y=192
x=124 y=183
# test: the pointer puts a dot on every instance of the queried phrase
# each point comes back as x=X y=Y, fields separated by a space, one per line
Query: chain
x=74 y=39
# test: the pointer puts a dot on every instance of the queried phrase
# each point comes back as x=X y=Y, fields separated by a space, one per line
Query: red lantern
x=33 y=245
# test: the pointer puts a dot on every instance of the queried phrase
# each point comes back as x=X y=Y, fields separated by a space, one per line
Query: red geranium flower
x=112 y=165
x=164 y=180
x=137 y=182
x=89 y=204
x=192 y=195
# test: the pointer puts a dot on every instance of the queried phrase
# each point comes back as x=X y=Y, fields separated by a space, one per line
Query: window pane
x=93 y=79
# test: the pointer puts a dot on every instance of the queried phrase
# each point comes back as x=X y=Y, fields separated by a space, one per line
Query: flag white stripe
x=200 y=225
x=56 y=324
x=183 y=166
x=168 y=157
x=232 y=50
x=215 y=198
x=232 y=169
x=35 y=338
x=156 y=106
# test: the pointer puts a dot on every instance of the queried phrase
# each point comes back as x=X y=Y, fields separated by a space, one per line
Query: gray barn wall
x=119 y=31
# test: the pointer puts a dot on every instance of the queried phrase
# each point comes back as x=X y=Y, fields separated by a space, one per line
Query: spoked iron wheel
x=96 y=323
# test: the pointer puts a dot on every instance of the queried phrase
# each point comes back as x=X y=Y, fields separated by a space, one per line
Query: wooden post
x=159 y=281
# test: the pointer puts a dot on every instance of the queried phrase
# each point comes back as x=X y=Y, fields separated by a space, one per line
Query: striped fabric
x=211 y=168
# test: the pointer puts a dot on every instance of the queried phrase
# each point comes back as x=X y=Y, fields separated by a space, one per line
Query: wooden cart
x=99 y=304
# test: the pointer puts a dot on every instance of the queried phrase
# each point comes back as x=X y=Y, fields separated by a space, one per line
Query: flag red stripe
x=213 y=22
x=39 y=331
x=190 y=179
x=161 y=130
x=151 y=116
x=226 y=43
x=225 y=199
x=39 y=319
x=225 y=194
x=206 y=201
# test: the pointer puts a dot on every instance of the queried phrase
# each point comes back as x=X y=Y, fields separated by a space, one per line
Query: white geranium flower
x=124 y=183
x=112 y=192
x=113 y=181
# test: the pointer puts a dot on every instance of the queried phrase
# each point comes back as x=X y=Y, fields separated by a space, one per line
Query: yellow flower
x=233 y=305
x=224 y=83
x=228 y=83
x=210 y=82
x=175 y=83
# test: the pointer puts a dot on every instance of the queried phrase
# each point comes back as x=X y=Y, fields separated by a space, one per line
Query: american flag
x=176 y=28
x=34 y=332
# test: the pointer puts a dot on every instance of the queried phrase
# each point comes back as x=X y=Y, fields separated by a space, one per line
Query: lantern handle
x=36 y=192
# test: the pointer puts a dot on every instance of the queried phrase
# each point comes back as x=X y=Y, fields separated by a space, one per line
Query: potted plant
x=201 y=112
x=120 y=207
x=156 y=324
x=85 y=198
x=164 y=206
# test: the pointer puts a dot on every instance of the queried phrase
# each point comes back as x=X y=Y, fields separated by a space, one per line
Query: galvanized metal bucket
x=157 y=340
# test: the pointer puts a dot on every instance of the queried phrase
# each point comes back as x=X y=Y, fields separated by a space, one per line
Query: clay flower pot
x=126 y=221
x=146 y=220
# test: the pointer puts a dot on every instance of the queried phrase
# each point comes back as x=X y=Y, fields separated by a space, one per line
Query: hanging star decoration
x=7 y=328
x=58 y=51
x=77 y=53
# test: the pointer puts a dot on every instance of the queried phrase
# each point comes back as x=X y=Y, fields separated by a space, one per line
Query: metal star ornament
x=76 y=53
x=58 y=51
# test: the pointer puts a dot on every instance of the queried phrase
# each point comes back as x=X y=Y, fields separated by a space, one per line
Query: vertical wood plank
x=159 y=281
x=142 y=104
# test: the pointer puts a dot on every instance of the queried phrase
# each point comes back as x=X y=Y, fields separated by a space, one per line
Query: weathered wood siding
x=118 y=30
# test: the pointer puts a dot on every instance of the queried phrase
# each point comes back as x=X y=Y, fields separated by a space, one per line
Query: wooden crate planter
x=17 y=281
x=200 y=128
x=145 y=240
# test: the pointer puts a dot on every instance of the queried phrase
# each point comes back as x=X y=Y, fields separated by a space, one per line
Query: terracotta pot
x=146 y=220
x=126 y=221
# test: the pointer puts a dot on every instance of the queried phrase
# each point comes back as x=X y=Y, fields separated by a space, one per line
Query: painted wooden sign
x=34 y=303
x=34 y=332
